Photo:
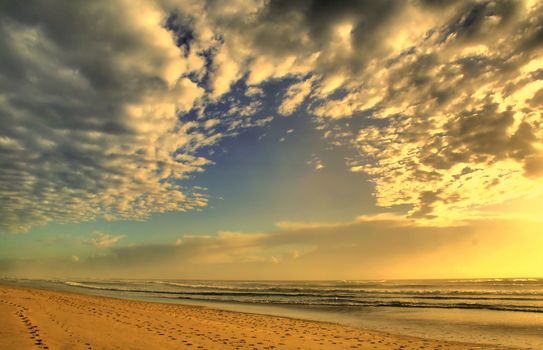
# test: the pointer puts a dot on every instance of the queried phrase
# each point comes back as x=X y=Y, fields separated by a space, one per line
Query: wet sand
x=43 y=319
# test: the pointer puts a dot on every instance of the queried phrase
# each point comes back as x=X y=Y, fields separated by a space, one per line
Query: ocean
x=507 y=312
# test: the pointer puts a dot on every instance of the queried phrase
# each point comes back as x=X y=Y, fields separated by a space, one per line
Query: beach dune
x=43 y=319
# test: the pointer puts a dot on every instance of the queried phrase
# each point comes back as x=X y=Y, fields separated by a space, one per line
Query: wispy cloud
x=315 y=163
x=103 y=240
x=383 y=246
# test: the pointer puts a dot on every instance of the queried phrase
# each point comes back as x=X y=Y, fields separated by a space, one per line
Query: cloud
x=453 y=126
x=295 y=96
x=279 y=39
x=315 y=163
x=439 y=86
x=89 y=100
x=105 y=106
x=456 y=90
x=383 y=246
x=103 y=240
x=254 y=91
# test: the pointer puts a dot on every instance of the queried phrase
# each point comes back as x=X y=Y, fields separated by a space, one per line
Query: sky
x=252 y=139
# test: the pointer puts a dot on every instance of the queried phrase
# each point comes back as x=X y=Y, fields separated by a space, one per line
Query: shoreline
x=45 y=319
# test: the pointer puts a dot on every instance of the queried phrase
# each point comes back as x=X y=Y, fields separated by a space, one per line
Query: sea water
x=506 y=312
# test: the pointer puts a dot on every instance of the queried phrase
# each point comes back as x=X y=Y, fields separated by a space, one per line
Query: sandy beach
x=43 y=319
